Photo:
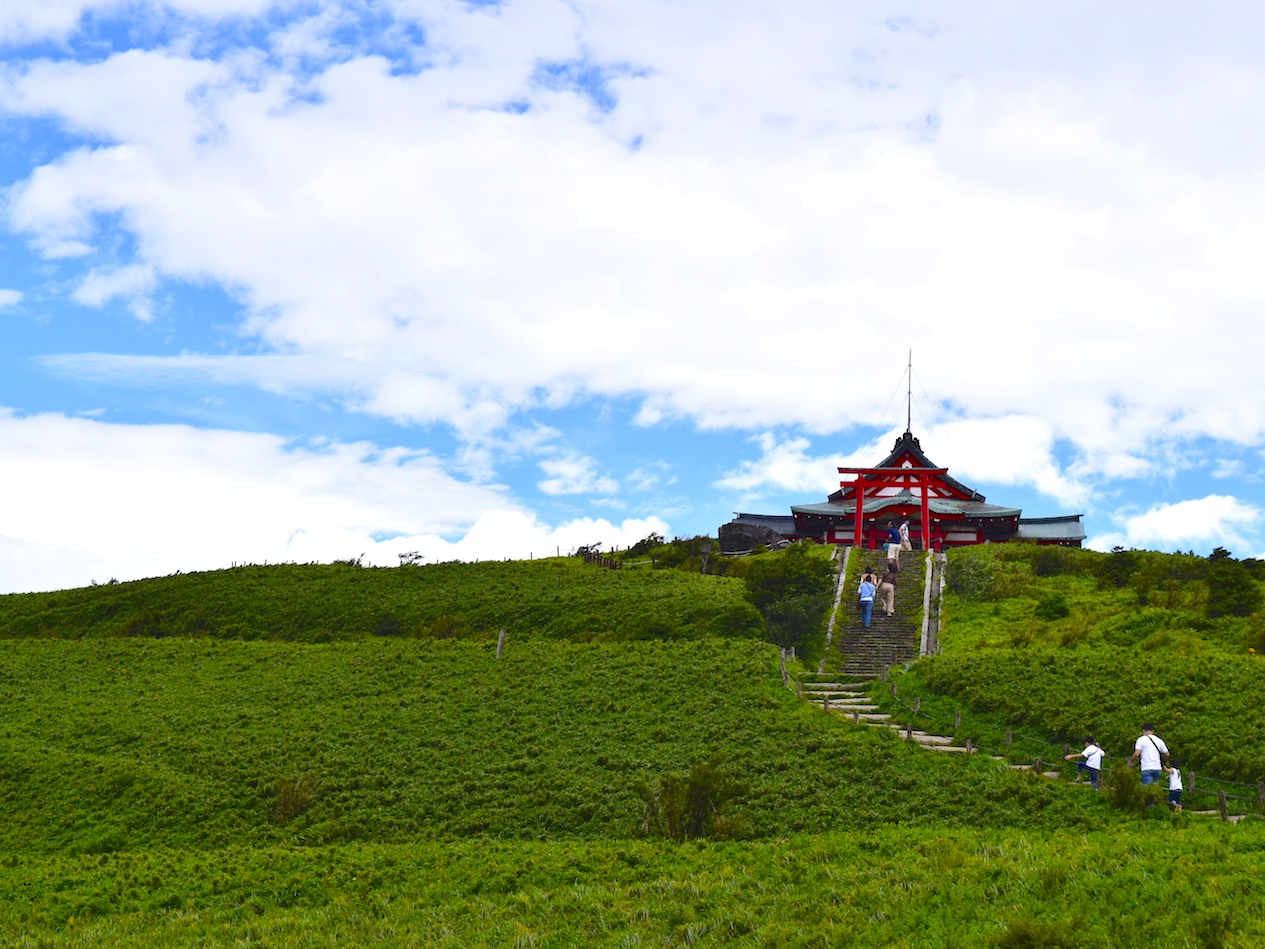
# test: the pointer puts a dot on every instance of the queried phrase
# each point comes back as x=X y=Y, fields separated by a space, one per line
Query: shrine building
x=942 y=512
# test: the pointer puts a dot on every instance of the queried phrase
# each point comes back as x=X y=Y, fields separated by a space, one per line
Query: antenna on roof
x=909 y=393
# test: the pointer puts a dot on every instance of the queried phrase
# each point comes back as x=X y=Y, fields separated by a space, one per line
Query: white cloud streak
x=93 y=501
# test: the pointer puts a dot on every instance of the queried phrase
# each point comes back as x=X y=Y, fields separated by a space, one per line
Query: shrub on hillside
x=1232 y=591
x=1050 y=562
x=1124 y=789
x=1052 y=606
x=790 y=574
x=684 y=806
x=794 y=622
x=1116 y=568
x=971 y=577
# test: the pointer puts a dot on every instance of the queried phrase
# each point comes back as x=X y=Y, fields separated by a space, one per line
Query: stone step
x=834 y=686
x=924 y=739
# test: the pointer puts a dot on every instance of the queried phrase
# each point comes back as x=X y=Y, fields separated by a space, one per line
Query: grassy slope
x=1152 y=884
x=1105 y=668
x=557 y=598
x=462 y=801
x=176 y=743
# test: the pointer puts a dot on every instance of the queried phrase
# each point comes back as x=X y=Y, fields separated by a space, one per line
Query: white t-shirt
x=1093 y=757
x=1151 y=748
x=1174 y=780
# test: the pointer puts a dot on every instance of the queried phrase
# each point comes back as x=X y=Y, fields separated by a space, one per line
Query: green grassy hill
x=169 y=783
x=558 y=598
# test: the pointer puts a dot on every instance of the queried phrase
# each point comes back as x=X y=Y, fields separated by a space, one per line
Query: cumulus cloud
x=1203 y=523
x=1010 y=451
x=575 y=474
x=732 y=217
x=129 y=501
x=9 y=297
x=621 y=197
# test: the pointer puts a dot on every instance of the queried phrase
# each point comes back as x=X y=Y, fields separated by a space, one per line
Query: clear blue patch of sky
x=590 y=79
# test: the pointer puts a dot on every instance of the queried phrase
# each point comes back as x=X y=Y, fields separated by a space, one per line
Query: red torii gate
x=893 y=477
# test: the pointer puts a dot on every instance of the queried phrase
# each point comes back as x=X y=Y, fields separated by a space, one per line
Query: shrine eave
x=945 y=507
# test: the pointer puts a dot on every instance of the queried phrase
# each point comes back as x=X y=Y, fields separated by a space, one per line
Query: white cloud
x=784 y=464
x=132 y=501
x=1012 y=450
x=9 y=297
x=575 y=474
x=738 y=215
x=777 y=212
x=1215 y=520
x=133 y=283
x=107 y=501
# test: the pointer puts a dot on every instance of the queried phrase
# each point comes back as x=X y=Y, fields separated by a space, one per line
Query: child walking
x=1174 y=787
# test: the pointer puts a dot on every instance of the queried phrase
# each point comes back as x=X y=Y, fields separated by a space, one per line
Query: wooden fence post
x=500 y=643
x=969 y=748
x=1010 y=738
x=1260 y=793
x=909 y=732
x=825 y=704
x=917 y=704
x=1192 y=784
x=856 y=717
x=957 y=720
x=1222 y=806
x=1036 y=767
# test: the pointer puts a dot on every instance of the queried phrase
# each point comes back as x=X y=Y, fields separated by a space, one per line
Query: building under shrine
x=942 y=512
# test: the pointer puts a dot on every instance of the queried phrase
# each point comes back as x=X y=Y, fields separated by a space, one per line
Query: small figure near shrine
x=865 y=598
x=904 y=535
x=887 y=590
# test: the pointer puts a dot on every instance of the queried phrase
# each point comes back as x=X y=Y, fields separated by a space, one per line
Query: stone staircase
x=890 y=640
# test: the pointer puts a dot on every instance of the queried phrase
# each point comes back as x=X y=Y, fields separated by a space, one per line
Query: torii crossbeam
x=921 y=478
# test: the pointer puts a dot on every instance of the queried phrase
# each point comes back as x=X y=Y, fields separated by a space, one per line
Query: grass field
x=406 y=789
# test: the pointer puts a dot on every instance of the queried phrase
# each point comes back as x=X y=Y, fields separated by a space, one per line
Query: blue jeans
x=867 y=610
x=1151 y=777
x=1081 y=768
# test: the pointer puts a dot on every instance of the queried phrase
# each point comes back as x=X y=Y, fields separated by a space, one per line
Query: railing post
x=1010 y=738
x=1260 y=793
x=970 y=749
x=957 y=720
x=500 y=643
x=917 y=704
x=1222 y=806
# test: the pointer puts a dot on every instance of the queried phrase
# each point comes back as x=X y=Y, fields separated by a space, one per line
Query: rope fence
x=1020 y=747
x=1195 y=782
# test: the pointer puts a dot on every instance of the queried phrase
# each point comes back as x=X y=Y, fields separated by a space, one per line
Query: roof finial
x=909 y=394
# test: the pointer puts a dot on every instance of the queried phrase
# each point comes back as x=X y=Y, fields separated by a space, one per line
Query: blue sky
x=315 y=280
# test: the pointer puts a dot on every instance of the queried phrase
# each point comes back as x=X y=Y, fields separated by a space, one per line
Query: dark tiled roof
x=1068 y=527
x=784 y=524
